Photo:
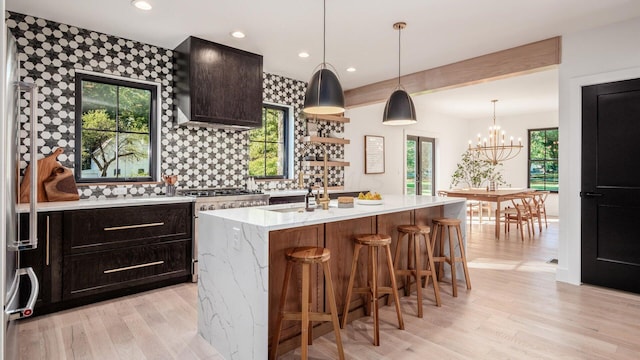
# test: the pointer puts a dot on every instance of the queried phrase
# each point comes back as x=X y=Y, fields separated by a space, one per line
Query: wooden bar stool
x=439 y=227
x=373 y=242
x=413 y=233
x=306 y=256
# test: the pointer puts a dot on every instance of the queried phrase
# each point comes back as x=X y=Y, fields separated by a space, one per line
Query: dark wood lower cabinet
x=84 y=256
x=107 y=271
x=46 y=260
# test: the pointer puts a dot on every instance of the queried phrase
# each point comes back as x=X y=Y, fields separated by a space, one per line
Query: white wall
x=604 y=54
x=451 y=140
x=452 y=136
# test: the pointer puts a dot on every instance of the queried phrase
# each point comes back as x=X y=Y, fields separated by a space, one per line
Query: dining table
x=497 y=196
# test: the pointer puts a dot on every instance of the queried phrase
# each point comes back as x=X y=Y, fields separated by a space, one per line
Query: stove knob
x=223 y=206
x=232 y=205
x=203 y=208
x=212 y=207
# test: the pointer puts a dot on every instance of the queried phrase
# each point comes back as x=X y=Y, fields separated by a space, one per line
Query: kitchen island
x=241 y=255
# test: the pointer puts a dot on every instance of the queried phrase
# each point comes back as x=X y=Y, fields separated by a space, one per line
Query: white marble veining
x=106 y=203
x=233 y=256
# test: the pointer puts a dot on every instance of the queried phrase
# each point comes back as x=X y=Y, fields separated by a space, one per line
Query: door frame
x=570 y=136
x=425 y=134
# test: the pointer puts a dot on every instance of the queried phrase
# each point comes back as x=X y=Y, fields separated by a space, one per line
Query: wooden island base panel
x=242 y=261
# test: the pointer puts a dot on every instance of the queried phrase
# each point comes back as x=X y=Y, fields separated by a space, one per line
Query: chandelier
x=495 y=149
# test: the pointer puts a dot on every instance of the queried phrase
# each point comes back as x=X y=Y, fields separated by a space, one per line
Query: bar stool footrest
x=313 y=316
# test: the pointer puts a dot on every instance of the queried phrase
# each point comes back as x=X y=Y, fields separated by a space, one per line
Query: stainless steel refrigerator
x=13 y=275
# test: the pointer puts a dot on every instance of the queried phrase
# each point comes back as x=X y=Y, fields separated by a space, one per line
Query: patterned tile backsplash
x=51 y=52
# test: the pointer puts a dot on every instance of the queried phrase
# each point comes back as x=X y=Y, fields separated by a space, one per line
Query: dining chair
x=518 y=214
x=531 y=200
x=541 y=197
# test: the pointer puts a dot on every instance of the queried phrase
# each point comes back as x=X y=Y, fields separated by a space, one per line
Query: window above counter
x=116 y=136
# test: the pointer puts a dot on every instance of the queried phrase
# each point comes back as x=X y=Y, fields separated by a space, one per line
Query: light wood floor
x=515 y=310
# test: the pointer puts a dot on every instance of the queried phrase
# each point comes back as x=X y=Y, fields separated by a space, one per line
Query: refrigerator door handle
x=32 y=243
x=35 y=289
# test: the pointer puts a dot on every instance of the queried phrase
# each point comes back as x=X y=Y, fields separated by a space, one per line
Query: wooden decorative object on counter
x=345 y=202
x=61 y=184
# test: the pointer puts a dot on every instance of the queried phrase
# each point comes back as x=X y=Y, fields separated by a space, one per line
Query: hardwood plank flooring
x=515 y=310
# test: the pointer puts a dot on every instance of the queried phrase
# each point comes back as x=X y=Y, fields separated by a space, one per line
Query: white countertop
x=266 y=217
x=106 y=203
x=298 y=192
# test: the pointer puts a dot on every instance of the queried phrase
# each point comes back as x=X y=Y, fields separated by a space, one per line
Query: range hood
x=217 y=86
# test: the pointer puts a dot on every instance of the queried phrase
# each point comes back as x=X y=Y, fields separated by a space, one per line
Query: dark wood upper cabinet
x=216 y=85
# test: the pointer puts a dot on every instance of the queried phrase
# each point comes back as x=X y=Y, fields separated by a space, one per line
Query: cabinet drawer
x=105 y=229
x=100 y=272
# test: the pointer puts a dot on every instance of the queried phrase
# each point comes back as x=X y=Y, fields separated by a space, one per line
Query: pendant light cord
x=494 y=112
x=399 y=43
x=324 y=33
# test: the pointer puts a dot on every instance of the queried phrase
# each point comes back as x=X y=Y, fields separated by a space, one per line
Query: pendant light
x=399 y=109
x=324 y=93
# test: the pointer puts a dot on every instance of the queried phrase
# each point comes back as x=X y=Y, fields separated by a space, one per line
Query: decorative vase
x=492 y=186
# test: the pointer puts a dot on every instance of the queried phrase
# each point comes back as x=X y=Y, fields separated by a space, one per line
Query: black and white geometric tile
x=51 y=52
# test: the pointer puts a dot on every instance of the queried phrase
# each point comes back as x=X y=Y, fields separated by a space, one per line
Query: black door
x=611 y=185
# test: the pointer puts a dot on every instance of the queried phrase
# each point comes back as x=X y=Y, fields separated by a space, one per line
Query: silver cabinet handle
x=133 y=226
x=47 y=243
x=33 y=297
x=133 y=267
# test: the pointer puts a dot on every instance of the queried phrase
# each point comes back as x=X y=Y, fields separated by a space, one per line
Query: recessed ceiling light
x=141 y=4
x=351 y=69
x=238 y=34
x=303 y=54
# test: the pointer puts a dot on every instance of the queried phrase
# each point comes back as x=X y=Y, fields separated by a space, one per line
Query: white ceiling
x=359 y=32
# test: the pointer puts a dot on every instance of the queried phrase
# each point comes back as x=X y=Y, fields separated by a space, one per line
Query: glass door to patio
x=420 y=165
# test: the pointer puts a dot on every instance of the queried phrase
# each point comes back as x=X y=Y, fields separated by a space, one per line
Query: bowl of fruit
x=369 y=198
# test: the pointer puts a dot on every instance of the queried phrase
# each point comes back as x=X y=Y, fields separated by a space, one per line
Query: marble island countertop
x=300 y=192
x=235 y=264
x=106 y=203
x=275 y=217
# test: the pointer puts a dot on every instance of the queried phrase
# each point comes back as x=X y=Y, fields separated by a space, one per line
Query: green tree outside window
x=543 y=159
x=267 y=144
x=115 y=123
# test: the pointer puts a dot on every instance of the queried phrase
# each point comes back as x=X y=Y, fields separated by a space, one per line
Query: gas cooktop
x=219 y=192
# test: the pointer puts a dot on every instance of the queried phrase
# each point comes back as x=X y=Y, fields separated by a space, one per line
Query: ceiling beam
x=515 y=61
